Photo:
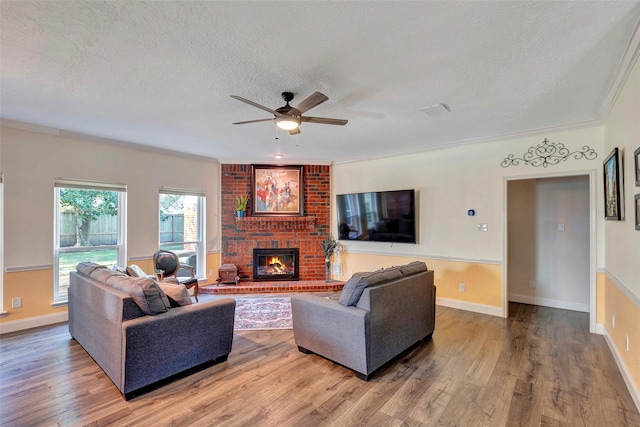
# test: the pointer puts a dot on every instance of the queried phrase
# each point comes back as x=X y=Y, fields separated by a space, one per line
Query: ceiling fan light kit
x=289 y=118
x=287 y=123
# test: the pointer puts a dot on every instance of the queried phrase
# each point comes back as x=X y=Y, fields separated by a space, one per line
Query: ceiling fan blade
x=262 y=107
x=323 y=120
x=253 y=121
x=295 y=131
x=312 y=100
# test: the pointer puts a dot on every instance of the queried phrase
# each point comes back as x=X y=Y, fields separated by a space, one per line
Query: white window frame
x=120 y=246
x=199 y=242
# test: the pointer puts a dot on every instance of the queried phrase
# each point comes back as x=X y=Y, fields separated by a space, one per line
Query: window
x=89 y=226
x=182 y=226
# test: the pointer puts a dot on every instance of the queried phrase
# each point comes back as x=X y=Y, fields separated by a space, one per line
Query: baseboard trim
x=567 y=305
x=33 y=322
x=626 y=376
x=471 y=306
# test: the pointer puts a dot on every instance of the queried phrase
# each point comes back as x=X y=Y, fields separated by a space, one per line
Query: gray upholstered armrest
x=330 y=329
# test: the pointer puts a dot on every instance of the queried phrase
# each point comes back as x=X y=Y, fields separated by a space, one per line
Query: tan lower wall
x=612 y=301
x=483 y=281
x=35 y=287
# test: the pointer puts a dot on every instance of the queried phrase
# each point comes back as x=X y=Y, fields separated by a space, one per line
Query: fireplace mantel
x=251 y=223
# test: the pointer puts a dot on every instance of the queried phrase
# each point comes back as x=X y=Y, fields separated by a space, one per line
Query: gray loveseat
x=378 y=316
x=141 y=351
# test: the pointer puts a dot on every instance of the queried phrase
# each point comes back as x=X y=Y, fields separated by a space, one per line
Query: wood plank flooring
x=539 y=367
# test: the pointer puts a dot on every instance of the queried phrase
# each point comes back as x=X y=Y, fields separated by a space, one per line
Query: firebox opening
x=275 y=264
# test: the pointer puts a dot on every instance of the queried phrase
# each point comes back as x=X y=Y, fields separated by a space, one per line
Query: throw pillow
x=118 y=269
x=352 y=290
x=144 y=291
x=87 y=267
x=412 y=268
x=135 y=271
x=178 y=294
x=102 y=274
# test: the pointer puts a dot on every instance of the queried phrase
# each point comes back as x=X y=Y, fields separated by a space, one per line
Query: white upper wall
x=451 y=181
x=622 y=130
x=31 y=161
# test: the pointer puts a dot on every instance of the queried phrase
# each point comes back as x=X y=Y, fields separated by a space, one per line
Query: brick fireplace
x=241 y=235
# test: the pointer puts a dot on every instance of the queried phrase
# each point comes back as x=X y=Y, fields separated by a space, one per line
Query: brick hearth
x=273 y=287
x=241 y=235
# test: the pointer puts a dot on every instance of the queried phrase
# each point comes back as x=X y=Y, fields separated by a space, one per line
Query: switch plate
x=561 y=228
x=626 y=341
x=483 y=227
x=613 y=321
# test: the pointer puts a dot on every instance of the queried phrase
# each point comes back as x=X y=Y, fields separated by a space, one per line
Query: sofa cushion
x=412 y=268
x=87 y=267
x=102 y=274
x=178 y=294
x=352 y=290
x=144 y=291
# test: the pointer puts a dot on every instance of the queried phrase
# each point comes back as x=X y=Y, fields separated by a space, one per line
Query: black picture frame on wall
x=637 y=203
x=277 y=190
x=636 y=156
x=612 y=184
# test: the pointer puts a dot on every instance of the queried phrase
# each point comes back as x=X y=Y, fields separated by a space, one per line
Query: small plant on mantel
x=241 y=203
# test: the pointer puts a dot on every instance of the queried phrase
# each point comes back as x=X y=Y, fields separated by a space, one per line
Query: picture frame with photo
x=612 y=184
x=637 y=204
x=277 y=190
x=636 y=157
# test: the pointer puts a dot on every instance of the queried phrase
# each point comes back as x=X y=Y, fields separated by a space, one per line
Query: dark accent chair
x=167 y=264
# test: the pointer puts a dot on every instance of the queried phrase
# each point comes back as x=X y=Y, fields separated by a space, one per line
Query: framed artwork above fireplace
x=277 y=190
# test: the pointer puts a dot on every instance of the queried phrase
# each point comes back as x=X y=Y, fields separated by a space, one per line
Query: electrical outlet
x=211 y=272
x=532 y=284
x=613 y=321
x=483 y=227
x=16 y=302
x=350 y=272
x=463 y=287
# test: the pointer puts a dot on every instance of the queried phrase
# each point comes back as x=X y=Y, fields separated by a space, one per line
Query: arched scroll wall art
x=548 y=154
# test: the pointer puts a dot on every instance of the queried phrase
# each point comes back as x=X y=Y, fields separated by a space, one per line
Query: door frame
x=591 y=173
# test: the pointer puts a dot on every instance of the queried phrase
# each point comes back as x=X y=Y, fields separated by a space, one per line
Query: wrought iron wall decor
x=548 y=153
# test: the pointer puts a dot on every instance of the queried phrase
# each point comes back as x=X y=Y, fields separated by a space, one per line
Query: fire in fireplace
x=275 y=264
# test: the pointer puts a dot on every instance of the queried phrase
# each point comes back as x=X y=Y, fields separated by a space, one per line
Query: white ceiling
x=161 y=73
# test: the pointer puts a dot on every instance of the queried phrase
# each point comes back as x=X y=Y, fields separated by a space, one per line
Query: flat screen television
x=382 y=216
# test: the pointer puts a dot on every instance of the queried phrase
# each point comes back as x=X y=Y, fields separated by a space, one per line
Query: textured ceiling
x=161 y=73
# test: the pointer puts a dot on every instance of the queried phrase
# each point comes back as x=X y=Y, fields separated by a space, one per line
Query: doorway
x=549 y=242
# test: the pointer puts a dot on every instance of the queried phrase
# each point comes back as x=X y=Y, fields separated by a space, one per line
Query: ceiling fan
x=288 y=117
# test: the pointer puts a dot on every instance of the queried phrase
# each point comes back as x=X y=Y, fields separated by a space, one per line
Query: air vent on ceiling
x=435 y=110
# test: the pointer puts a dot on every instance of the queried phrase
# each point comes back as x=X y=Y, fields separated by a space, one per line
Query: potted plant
x=329 y=246
x=241 y=204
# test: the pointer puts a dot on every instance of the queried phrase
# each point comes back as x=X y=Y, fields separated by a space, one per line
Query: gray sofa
x=139 y=351
x=378 y=316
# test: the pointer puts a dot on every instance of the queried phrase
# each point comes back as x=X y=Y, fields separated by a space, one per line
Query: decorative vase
x=327 y=267
x=240 y=214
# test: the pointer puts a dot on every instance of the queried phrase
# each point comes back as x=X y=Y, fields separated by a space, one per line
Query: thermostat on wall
x=471 y=212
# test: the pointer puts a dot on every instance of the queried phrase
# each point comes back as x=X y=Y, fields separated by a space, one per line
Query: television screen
x=383 y=216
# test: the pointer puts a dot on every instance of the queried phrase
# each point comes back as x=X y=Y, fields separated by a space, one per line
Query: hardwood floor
x=539 y=367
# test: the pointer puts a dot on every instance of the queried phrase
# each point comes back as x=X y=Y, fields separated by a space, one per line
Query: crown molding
x=630 y=57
